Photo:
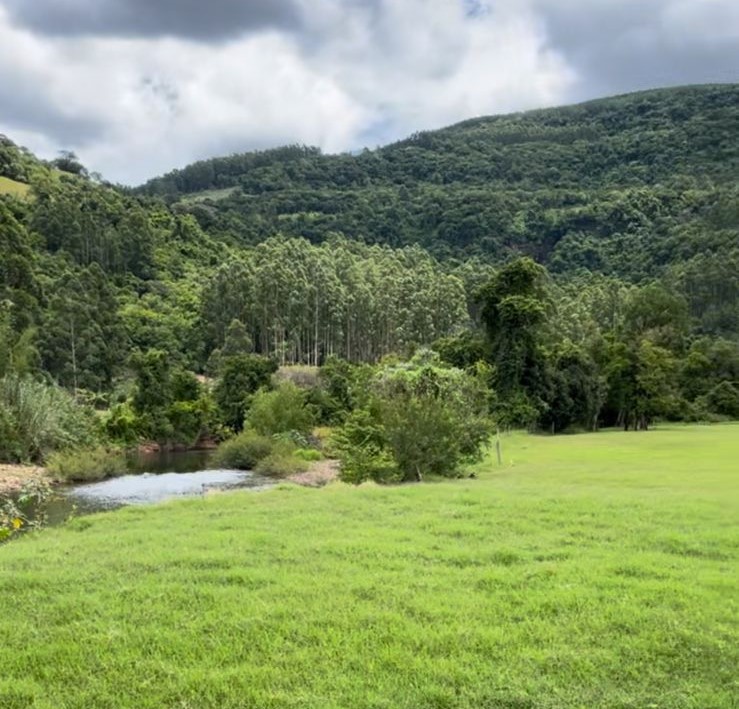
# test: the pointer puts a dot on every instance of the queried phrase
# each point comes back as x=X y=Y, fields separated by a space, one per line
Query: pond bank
x=14 y=477
x=320 y=473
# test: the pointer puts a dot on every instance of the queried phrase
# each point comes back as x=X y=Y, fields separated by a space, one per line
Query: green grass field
x=589 y=571
x=214 y=194
x=16 y=189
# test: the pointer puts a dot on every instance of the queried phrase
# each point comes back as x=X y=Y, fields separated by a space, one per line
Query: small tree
x=424 y=417
x=240 y=376
x=283 y=410
x=514 y=306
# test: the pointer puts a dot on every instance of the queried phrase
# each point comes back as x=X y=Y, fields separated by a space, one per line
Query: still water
x=154 y=477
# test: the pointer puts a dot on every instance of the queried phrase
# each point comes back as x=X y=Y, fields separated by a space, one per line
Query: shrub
x=369 y=463
x=244 y=451
x=281 y=464
x=14 y=513
x=189 y=420
x=87 y=464
x=341 y=388
x=122 y=424
x=10 y=445
x=280 y=411
x=39 y=418
x=309 y=455
x=362 y=446
x=422 y=418
x=723 y=400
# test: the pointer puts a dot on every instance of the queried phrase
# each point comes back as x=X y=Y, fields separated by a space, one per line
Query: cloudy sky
x=138 y=87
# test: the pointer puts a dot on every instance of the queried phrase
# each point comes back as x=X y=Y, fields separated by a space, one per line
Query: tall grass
x=38 y=418
x=87 y=464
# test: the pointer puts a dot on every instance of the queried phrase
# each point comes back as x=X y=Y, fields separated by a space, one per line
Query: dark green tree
x=515 y=302
x=81 y=341
x=240 y=376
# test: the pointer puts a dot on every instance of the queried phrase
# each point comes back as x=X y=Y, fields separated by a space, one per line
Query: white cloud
x=426 y=63
x=354 y=72
x=708 y=20
x=359 y=72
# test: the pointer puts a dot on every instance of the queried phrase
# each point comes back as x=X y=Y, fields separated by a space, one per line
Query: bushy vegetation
x=420 y=418
x=282 y=461
x=87 y=464
x=243 y=451
x=278 y=421
x=37 y=419
x=24 y=511
x=282 y=410
x=309 y=455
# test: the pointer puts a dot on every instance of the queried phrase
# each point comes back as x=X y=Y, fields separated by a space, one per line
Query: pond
x=154 y=477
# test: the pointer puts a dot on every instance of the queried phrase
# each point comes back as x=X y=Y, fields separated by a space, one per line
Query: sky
x=139 y=87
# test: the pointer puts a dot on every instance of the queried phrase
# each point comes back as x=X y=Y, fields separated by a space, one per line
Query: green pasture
x=14 y=188
x=587 y=571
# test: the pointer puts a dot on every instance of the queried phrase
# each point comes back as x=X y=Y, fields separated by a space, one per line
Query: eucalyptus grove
x=304 y=303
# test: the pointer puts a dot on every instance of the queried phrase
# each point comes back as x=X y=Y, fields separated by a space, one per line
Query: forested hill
x=630 y=202
x=628 y=186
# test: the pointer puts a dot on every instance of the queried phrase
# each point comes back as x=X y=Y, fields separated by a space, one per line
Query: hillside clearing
x=14 y=188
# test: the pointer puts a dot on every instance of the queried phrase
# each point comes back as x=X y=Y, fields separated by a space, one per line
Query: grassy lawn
x=214 y=194
x=588 y=571
x=11 y=187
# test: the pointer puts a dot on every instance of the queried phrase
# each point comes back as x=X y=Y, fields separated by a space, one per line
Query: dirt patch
x=319 y=474
x=13 y=477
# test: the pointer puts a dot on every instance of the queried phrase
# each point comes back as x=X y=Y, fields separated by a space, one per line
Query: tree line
x=118 y=301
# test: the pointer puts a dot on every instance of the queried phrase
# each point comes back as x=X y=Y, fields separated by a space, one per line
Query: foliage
x=303 y=303
x=514 y=308
x=631 y=186
x=576 y=389
x=282 y=410
x=723 y=400
x=14 y=512
x=309 y=455
x=629 y=204
x=121 y=424
x=463 y=350
x=361 y=444
x=37 y=419
x=81 y=337
x=87 y=464
x=281 y=462
x=265 y=454
x=341 y=387
x=424 y=417
x=243 y=451
x=240 y=376
x=168 y=404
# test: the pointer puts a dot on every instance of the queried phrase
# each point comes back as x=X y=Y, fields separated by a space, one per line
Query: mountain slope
x=629 y=185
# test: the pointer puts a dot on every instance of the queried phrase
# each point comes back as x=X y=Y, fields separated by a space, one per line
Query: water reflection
x=159 y=476
x=168 y=461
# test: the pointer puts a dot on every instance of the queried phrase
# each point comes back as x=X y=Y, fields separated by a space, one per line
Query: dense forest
x=631 y=186
x=587 y=258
